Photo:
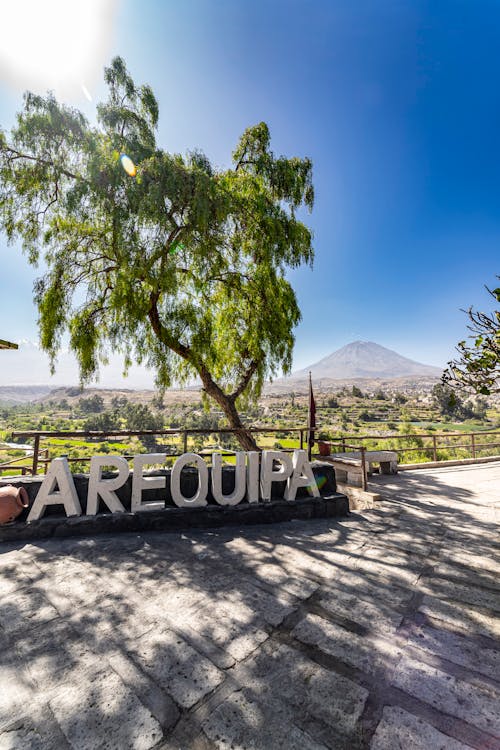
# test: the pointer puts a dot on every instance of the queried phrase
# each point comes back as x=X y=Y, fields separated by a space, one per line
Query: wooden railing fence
x=436 y=441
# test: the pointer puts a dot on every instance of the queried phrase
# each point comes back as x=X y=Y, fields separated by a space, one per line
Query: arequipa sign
x=255 y=474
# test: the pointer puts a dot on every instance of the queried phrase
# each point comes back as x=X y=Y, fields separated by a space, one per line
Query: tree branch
x=45 y=162
x=245 y=380
x=163 y=334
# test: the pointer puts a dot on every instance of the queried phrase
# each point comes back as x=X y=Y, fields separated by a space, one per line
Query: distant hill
x=22 y=394
x=365 y=359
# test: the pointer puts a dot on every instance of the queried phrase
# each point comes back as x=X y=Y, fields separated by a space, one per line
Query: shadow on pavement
x=280 y=636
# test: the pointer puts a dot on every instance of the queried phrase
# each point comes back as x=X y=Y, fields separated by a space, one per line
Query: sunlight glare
x=55 y=44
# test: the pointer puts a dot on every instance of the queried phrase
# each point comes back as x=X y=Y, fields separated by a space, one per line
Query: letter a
x=60 y=475
x=302 y=476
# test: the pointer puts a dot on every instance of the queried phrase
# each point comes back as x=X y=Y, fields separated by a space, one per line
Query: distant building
x=8 y=345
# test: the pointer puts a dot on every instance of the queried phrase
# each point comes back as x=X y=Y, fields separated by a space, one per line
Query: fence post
x=185 y=441
x=343 y=444
x=434 y=448
x=36 y=449
x=363 y=468
x=473 y=445
x=46 y=465
x=301 y=440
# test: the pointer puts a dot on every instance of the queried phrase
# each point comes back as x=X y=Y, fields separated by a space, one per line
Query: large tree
x=477 y=367
x=164 y=258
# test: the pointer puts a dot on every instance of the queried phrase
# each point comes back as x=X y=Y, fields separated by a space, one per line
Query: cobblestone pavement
x=378 y=631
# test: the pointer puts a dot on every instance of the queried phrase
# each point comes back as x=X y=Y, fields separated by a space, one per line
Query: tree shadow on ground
x=263 y=637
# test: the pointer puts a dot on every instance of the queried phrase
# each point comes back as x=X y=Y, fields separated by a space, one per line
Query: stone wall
x=55 y=523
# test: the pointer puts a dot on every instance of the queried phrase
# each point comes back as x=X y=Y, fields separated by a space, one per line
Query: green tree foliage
x=158 y=401
x=179 y=266
x=119 y=402
x=411 y=442
x=479 y=408
x=104 y=421
x=91 y=405
x=127 y=415
x=450 y=404
x=446 y=400
x=366 y=416
x=140 y=417
x=477 y=367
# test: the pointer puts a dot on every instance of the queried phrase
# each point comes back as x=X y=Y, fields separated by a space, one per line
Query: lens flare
x=321 y=481
x=128 y=165
x=86 y=92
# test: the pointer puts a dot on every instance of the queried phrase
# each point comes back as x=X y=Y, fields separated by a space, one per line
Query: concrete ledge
x=457 y=462
x=173 y=519
x=358 y=498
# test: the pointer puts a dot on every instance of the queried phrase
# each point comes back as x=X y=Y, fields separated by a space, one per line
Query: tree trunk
x=226 y=403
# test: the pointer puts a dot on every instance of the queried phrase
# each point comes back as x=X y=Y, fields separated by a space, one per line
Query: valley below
x=400 y=412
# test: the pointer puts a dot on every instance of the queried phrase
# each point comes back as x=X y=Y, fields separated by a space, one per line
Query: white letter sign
x=302 y=476
x=267 y=473
x=106 y=487
x=240 y=480
x=253 y=467
x=200 y=497
x=60 y=475
x=140 y=483
x=254 y=476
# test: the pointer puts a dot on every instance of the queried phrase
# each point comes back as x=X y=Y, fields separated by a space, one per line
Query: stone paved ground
x=377 y=631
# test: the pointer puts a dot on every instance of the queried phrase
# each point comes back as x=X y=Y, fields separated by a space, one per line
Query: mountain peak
x=366 y=359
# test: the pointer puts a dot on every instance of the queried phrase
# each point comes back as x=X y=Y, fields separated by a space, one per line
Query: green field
x=406 y=419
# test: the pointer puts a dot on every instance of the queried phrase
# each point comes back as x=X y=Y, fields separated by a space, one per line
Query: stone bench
x=347 y=470
x=348 y=466
x=387 y=460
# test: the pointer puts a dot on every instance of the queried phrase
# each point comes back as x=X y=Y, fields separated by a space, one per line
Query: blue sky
x=398 y=105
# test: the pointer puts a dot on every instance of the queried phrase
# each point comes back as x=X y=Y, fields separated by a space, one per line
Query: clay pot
x=13 y=500
x=324 y=448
